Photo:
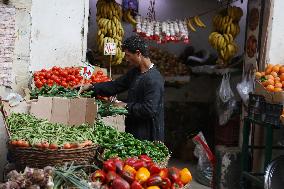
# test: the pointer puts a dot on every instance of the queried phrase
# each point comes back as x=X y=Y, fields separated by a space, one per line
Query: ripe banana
x=190 y=26
x=198 y=22
x=130 y=19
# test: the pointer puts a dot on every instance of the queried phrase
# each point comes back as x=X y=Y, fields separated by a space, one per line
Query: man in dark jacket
x=145 y=85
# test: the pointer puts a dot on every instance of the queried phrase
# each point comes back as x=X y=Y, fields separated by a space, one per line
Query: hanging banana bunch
x=195 y=21
x=226 y=29
x=109 y=15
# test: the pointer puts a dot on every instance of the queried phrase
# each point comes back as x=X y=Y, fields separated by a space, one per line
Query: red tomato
x=53 y=77
x=71 y=84
x=63 y=79
x=56 y=73
x=36 y=78
x=77 y=71
x=57 y=80
x=72 y=77
x=43 y=70
x=38 y=84
x=64 y=84
x=43 y=81
x=55 y=68
x=36 y=74
x=47 y=75
x=64 y=73
x=100 y=72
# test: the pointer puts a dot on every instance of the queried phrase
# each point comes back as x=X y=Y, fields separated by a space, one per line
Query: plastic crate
x=256 y=107
x=272 y=113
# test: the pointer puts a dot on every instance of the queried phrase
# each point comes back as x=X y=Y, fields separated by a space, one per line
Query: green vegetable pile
x=108 y=109
x=27 y=127
x=58 y=91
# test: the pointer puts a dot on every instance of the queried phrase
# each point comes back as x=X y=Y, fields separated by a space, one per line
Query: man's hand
x=120 y=104
x=83 y=88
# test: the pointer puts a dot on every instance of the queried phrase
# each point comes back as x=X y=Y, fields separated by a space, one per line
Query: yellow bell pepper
x=153 y=187
x=142 y=175
x=185 y=176
x=129 y=169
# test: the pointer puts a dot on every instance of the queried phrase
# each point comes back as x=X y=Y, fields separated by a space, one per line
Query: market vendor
x=145 y=85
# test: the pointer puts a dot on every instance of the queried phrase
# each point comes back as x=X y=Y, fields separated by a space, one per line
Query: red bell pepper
x=98 y=175
x=128 y=176
x=154 y=169
x=120 y=183
x=111 y=175
x=155 y=180
x=131 y=161
x=177 y=185
x=166 y=184
x=174 y=174
x=164 y=173
x=138 y=164
x=109 y=165
x=119 y=164
x=145 y=158
x=136 y=185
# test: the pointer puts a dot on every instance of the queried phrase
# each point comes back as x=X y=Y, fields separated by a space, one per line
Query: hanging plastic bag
x=206 y=160
x=246 y=86
x=225 y=102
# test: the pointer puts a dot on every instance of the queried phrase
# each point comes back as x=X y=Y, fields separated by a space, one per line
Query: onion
x=38 y=176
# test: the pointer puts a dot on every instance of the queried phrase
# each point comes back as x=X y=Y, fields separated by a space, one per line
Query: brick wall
x=7 y=43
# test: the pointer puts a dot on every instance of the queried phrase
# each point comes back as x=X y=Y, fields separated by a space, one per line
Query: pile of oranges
x=273 y=78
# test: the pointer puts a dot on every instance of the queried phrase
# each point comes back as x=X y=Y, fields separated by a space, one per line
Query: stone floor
x=191 y=166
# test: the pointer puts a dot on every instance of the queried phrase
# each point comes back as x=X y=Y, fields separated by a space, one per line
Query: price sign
x=87 y=71
x=109 y=49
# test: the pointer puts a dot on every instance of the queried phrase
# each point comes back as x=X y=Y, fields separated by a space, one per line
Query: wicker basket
x=39 y=158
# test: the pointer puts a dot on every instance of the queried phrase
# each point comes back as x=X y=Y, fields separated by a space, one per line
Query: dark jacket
x=145 y=102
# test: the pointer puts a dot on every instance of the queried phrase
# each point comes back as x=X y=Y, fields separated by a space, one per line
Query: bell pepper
x=185 y=176
x=98 y=175
x=174 y=174
x=128 y=176
x=155 y=180
x=142 y=175
x=131 y=161
x=164 y=173
x=138 y=164
x=154 y=169
x=118 y=164
x=166 y=184
x=120 y=183
x=145 y=158
x=109 y=165
x=130 y=169
x=136 y=185
x=111 y=175
x=153 y=187
x=177 y=185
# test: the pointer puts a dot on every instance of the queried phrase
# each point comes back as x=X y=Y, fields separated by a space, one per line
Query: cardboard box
x=64 y=110
x=270 y=97
x=116 y=122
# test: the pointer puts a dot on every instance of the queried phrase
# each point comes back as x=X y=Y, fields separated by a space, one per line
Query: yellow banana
x=200 y=22
x=130 y=18
x=190 y=26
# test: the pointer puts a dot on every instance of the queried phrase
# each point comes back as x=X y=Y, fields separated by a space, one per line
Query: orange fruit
x=281 y=70
x=278 y=85
x=277 y=79
x=268 y=70
x=270 y=88
x=282 y=82
x=269 y=77
x=282 y=77
x=257 y=75
x=262 y=73
x=274 y=74
x=276 y=68
x=270 y=82
x=277 y=89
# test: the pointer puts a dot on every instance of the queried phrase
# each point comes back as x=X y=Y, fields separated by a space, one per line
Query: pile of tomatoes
x=66 y=77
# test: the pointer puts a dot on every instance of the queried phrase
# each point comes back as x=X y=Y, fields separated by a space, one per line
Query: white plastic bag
x=246 y=86
x=225 y=101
